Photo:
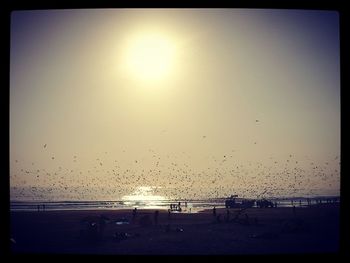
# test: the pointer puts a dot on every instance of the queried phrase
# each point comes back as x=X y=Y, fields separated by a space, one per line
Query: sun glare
x=143 y=193
x=149 y=57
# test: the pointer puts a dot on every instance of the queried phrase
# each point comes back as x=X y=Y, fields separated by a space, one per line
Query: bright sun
x=150 y=57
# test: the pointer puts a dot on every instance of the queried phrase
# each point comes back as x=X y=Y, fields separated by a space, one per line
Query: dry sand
x=278 y=230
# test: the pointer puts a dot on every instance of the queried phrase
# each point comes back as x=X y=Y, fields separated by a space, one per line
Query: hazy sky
x=220 y=97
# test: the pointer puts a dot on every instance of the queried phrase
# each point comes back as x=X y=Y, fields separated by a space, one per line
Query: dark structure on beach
x=243 y=203
x=264 y=203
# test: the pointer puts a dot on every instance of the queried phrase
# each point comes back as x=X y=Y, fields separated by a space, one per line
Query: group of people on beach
x=177 y=207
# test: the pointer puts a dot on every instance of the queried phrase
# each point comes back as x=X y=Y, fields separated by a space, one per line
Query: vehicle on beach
x=264 y=203
x=234 y=202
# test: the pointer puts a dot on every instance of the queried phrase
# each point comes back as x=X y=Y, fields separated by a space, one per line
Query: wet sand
x=256 y=231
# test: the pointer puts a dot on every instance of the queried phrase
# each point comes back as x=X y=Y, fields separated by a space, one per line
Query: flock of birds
x=173 y=176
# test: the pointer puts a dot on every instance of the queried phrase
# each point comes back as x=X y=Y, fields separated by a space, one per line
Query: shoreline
x=187 y=206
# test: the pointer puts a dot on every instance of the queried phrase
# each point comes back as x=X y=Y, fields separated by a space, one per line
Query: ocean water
x=192 y=206
x=187 y=206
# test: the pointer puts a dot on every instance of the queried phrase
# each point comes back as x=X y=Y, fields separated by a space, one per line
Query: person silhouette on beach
x=134 y=213
x=214 y=212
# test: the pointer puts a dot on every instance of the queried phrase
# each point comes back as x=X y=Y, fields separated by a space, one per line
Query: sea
x=187 y=206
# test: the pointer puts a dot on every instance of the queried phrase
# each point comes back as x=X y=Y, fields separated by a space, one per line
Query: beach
x=282 y=230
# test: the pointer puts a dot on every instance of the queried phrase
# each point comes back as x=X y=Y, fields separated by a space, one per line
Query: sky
x=184 y=102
